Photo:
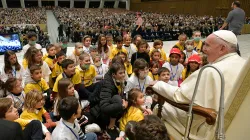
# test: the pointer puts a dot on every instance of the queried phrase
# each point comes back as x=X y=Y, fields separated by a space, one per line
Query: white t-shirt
x=45 y=73
x=26 y=47
x=101 y=71
x=175 y=71
x=134 y=82
x=131 y=49
x=86 y=49
x=16 y=74
x=188 y=54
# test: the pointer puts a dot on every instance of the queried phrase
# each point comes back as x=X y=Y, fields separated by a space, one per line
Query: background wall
x=198 y=7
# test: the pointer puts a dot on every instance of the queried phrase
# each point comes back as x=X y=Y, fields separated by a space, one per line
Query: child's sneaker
x=92 y=128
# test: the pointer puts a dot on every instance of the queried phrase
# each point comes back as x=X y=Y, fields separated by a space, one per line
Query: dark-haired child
x=69 y=127
x=140 y=78
x=134 y=111
x=14 y=90
x=11 y=68
x=69 y=72
x=119 y=48
x=21 y=128
x=174 y=66
x=153 y=70
x=156 y=57
x=57 y=70
x=51 y=59
x=192 y=65
x=141 y=53
x=181 y=43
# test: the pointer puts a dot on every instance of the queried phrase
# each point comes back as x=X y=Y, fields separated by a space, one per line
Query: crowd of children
x=95 y=90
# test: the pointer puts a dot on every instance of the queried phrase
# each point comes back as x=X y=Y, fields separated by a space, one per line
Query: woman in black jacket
x=112 y=104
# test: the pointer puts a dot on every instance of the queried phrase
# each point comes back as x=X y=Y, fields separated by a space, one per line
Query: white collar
x=71 y=125
x=224 y=57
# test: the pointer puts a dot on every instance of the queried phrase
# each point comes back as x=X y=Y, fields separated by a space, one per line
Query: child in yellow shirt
x=34 y=110
x=70 y=72
x=36 y=82
x=31 y=128
x=127 y=64
x=158 y=45
x=197 y=41
x=109 y=38
x=118 y=48
x=193 y=64
x=57 y=70
x=153 y=67
x=133 y=111
x=181 y=43
x=88 y=74
x=51 y=59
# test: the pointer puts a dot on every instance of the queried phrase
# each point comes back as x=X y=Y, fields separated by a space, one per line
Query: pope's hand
x=153 y=83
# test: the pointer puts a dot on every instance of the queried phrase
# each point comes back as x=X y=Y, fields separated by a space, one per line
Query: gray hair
x=230 y=46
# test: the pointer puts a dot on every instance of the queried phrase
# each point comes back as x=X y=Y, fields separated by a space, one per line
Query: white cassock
x=208 y=94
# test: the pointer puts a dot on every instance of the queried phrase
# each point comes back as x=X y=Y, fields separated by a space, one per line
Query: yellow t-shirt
x=33 y=115
x=25 y=63
x=184 y=72
x=112 y=46
x=133 y=114
x=128 y=68
x=198 y=46
x=40 y=86
x=22 y=122
x=154 y=77
x=87 y=75
x=115 y=51
x=163 y=54
x=50 y=62
x=57 y=70
x=45 y=56
x=76 y=79
x=180 y=46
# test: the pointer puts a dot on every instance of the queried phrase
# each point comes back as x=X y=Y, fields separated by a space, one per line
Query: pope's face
x=212 y=48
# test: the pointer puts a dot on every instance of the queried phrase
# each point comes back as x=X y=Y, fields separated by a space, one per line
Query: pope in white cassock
x=220 y=48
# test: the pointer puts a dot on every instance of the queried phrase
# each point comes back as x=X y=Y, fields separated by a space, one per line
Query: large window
x=109 y=4
x=64 y=4
x=122 y=4
x=31 y=4
x=13 y=3
x=94 y=4
x=48 y=3
x=79 y=4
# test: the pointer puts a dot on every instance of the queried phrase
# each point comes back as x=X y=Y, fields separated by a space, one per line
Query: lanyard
x=142 y=88
x=129 y=50
x=40 y=86
x=154 y=76
x=188 y=55
x=14 y=73
x=22 y=103
x=173 y=74
x=100 y=72
x=71 y=131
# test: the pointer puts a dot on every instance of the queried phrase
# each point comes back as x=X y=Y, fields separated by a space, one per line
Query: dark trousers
x=33 y=131
x=103 y=118
x=85 y=92
x=238 y=47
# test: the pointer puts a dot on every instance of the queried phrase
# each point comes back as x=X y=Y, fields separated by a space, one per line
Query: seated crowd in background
x=79 y=22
